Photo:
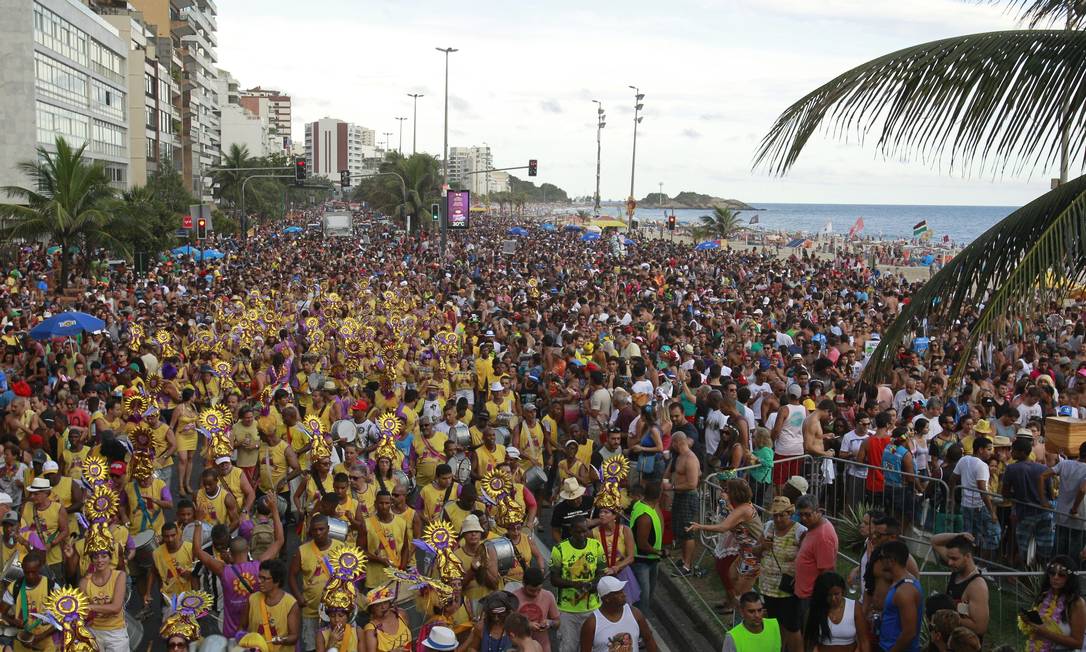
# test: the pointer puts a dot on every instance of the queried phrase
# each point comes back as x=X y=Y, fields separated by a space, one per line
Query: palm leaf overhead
x=1041 y=12
x=1030 y=258
x=997 y=97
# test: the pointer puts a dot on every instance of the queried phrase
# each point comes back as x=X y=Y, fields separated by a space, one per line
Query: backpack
x=262 y=537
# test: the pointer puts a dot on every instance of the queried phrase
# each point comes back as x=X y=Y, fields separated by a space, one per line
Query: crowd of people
x=368 y=444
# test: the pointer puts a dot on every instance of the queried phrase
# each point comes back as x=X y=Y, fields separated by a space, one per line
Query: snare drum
x=145 y=545
x=14 y=570
x=461 y=467
x=501 y=435
x=462 y=435
x=503 y=550
x=205 y=532
x=535 y=479
x=345 y=430
x=337 y=529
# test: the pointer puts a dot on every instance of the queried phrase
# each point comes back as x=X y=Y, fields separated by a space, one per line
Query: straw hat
x=781 y=505
x=571 y=489
x=983 y=427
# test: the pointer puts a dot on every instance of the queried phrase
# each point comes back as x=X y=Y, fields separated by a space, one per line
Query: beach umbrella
x=547 y=226
x=518 y=230
x=594 y=227
x=589 y=237
x=629 y=241
x=186 y=250
x=707 y=245
x=293 y=229
x=573 y=227
x=66 y=324
x=213 y=254
x=618 y=224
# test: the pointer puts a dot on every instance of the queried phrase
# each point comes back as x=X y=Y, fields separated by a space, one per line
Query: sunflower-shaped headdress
x=439 y=539
x=66 y=610
x=347 y=565
x=95 y=470
x=187 y=608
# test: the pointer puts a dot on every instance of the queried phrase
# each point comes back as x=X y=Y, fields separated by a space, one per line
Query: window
x=150 y=115
x=54 y=121
x=151 y=149
x=163 y=90
x=59 y=80
x=107 y=139
x=57 y=34
x=165 y=124
x=106 y=62
x=149 y=85
x=107 y=100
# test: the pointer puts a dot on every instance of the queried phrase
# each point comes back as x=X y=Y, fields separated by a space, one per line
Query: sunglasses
x=1058 y=571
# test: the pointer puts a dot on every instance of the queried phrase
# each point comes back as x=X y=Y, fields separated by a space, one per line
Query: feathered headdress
x=187 y=607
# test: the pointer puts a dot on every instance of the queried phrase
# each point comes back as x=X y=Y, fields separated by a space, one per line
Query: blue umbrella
x=589 y=237
x=573 y=227
x=66 y=324
x=629 y=241
x=518 y=230
x=547 y=226
x=293 y=229
x=707 y=245
x=186 y=250
x=213 y=254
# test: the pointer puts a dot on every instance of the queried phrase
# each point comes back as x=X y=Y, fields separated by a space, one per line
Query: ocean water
x=882 y=221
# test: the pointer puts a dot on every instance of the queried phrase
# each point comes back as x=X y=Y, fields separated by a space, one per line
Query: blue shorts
x=1037 y=526
x=978 y=522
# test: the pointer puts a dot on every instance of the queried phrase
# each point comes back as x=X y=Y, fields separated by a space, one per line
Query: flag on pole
x=753 y=219
x=856 y=228
x=920 y=228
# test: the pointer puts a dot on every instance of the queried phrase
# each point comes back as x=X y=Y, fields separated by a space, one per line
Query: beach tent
x=212 y=254
x=573 y=227
x=292 y=229
x=518 y=230
x=66 y=324
x=593 y=227
x=547 y=226
x=707 y=245
x=590 y=236
x=186 y=250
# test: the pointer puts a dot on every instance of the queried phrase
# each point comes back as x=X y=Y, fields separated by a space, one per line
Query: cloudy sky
x=715 y=74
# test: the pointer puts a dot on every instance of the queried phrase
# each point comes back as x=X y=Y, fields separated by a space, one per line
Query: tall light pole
x=414 y=119
x=489 y=164
x=601 y=122
x=445 y=149
x=400 y=120
x=388 y=135
x=638 y=96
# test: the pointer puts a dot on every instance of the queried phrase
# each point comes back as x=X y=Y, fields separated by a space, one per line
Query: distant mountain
x=689 y=199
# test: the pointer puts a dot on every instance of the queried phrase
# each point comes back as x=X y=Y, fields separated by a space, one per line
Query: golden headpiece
x=614 y=469
x=609 y=497
x=320 y=449
x=509 y=513
x=142 y=465
x=440 y=537
x=141 y=438
x=102 y=503
x=187 y=608
x=497 y=484
x=135 y=405
x=389 y=424
x=221 y=446
x=95 y=470
x=347 y=566
x=98 y=539
x=66 y=609
x=386 y=449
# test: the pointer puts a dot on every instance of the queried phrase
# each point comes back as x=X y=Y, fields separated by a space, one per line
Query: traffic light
x=671 y=222
x=201 y=229
x=344 y=178
x=435 y=212
x=532 y=164
x=299 y=169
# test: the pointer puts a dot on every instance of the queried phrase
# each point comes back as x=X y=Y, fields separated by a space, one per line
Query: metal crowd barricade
x=1009 y=593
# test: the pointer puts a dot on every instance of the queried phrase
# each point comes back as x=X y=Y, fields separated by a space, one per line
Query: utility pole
x=400 y=148
x=414 y=119
x=601 y=122
x=445 y=150
x=638 y=96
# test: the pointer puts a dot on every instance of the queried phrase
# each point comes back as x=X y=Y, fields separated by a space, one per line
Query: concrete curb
x=684 y=618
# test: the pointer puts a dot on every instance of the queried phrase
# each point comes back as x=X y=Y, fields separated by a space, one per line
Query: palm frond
x=1033 y=257
x=1045 y=12
x=998 y=98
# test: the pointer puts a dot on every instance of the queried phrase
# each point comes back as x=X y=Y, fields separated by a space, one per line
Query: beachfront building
x=467 y=171
x=240 y=125
x=275 y=108
x=63 y=75
x=333 y=145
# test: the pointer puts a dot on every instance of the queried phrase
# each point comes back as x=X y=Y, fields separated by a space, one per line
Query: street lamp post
x=638 y=96
x=445 y=149
x=414 y=119
x=388 y=136
x=601 y=122
x=400 y=120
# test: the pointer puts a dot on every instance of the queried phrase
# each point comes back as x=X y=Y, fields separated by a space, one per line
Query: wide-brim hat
x=471 y=524
x=571 y=489
x=441 y=639
x=40 y=484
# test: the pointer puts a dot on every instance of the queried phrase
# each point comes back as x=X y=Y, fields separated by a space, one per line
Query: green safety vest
x=641 y=509
x=768 y=640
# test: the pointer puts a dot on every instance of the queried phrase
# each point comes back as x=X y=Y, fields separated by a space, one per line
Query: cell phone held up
x=1031 y=616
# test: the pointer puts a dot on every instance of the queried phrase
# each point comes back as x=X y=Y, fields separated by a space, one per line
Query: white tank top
x=625 y=631
x=790 y=441
x=844 y=632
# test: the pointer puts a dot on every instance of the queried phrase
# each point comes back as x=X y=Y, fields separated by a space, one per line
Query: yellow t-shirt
x=170 y=565
x=104 y=595
x=278 y=622
x=314 y=575
x=388 y=537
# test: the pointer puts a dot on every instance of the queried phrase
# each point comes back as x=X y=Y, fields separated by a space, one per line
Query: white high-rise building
x=468 y=170
x=241 y=126
x=63 y=74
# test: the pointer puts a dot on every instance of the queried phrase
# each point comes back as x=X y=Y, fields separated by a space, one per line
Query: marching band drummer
x=173 y=564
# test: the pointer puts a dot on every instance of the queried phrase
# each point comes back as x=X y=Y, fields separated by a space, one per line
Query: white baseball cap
x=608 y=584
x=50 y=467
x=223 y=459
x=5 y=499
x=512 y=452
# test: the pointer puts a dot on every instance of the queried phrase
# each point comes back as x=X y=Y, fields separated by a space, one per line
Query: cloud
x=692 y=134
x=551 y=106
x=459 y=103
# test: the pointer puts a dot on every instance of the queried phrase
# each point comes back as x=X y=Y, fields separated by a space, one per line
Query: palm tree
x=68 y=204
x=722 y=224
x=1010 y=98
x=229 y=182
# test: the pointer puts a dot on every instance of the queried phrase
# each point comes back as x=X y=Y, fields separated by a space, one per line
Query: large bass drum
x=535 y=479
x=503 y=550
x=144 y=543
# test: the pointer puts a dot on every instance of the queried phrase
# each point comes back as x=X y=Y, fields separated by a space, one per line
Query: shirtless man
x=683 y=480
x=813 y=435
